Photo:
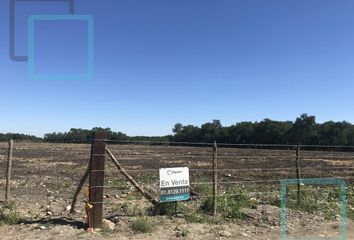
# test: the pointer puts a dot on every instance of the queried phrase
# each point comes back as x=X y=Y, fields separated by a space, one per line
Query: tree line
x=18 y=136
x=85 y=135
x=304 y=130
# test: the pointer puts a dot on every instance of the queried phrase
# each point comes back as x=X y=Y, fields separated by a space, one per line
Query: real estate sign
x=174 y=184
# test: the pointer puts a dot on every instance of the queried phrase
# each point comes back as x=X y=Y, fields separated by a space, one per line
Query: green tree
x=304 y=130
x=334 y=133
x=177 y=128
x=211 y=131
x=271 y=132
x=241 y=133
x=189 y=133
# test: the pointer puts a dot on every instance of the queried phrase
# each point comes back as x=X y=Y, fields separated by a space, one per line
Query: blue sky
x=158 y=62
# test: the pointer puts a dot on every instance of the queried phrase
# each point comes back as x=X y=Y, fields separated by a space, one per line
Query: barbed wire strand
x=238 y=170
x=205 y=183
x=234 y=194
x=228 y=144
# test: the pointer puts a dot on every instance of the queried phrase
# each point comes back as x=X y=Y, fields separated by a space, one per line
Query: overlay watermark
x=70 y=15
x=12 y=25
x=315 y=181
x=90 y=48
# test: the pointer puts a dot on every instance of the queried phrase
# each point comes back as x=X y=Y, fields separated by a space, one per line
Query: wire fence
x=45 y=171
x=258 y=166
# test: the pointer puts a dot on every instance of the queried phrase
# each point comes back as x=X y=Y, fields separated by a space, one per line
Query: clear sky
x=158 y=62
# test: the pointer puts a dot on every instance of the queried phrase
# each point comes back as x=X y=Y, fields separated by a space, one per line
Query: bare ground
x=45 y=177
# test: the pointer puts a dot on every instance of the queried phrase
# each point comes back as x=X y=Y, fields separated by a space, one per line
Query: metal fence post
x=8 y=170
x=298 y=175
x=215 y=178
x=96 y=181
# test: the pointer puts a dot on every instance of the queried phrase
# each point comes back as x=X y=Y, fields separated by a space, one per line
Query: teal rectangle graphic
x=90 y=47
x=315 y=181
x=174 y=198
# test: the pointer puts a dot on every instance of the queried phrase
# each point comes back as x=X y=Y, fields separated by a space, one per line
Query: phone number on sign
x=174 y=191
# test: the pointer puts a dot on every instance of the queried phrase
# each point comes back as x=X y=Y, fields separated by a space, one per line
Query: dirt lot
x=45 y=177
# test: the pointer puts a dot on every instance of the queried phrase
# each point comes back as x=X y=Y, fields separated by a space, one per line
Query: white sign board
x=174 y=184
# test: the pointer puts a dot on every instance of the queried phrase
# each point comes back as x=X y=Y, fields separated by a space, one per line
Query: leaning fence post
x=8 y=170
x=298 y=175
x=96 y=180
x=215 y=178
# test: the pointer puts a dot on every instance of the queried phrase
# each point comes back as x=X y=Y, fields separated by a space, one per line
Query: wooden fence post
x=96 y=181
x=215 y=178
x=8 y=170
x=298 y=175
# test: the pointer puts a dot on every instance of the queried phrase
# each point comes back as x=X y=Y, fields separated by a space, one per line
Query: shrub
x=200 y=217
x=203 y=189
x=229 y=205
x=350 y=214
x=142 y=225
x=181 y=232
x=315 y=200
x=9 y=214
